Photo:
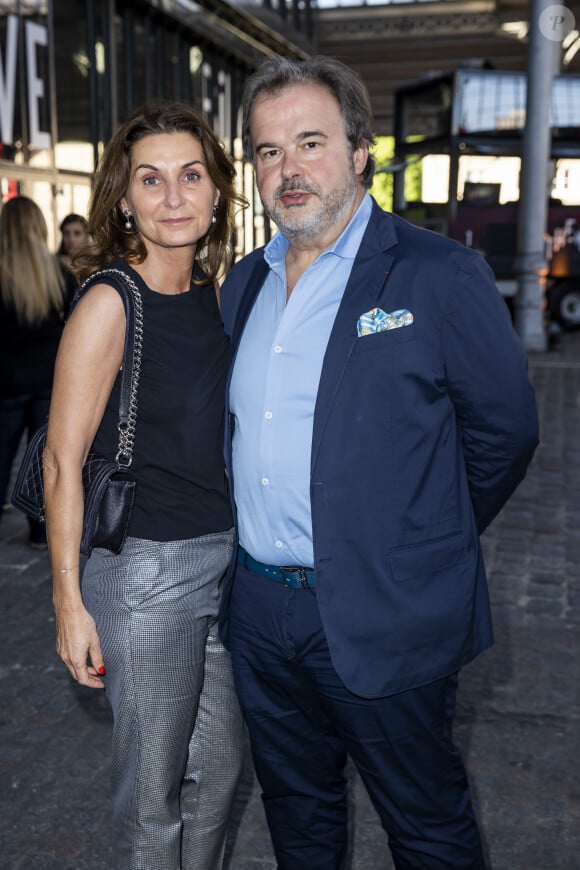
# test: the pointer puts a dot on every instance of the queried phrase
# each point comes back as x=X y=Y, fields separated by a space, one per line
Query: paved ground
x=519 y=720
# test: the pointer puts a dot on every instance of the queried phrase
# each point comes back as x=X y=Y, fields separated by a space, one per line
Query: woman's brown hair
x=110 y=237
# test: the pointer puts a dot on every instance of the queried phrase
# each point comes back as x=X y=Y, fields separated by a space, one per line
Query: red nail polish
x=102 y=670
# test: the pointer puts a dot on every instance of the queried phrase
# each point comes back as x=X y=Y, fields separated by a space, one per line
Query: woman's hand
x=78 y=645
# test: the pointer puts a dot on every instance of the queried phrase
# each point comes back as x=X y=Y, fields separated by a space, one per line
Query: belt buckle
x=294 y=569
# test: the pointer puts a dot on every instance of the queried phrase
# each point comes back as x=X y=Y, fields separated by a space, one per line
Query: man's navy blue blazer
x=420 y=435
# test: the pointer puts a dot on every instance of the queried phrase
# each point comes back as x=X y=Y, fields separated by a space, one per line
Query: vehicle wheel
x=565 y=304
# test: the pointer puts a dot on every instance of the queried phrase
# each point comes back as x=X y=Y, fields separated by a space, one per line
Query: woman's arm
x=89 y=358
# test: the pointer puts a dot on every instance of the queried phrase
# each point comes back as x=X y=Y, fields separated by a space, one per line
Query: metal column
x=531 y=266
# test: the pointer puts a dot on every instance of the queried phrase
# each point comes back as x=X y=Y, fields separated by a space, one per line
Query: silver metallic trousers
x=178 y=737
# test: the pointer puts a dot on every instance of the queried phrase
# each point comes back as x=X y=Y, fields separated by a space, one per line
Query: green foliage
x=414 y=174
x=413 y=180
x=382 y=187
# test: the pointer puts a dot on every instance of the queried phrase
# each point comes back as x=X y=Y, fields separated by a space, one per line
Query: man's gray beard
x=334 y=207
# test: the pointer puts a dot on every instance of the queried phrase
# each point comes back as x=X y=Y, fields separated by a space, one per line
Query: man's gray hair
x=278 y=73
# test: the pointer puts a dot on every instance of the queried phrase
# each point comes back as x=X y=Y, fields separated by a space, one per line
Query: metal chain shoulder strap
x=132 y=355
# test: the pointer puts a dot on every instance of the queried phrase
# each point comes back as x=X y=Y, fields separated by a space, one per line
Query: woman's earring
x=128 y=220
x=214 y=214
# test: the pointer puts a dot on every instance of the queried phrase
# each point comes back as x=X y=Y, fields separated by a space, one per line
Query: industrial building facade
x=72 y=70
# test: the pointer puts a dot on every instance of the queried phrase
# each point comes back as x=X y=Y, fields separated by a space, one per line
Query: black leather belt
x=293 y=576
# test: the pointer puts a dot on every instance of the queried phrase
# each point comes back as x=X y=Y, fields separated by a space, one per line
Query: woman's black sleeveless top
x=178 y=460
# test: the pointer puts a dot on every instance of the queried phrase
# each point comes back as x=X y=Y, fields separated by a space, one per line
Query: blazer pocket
x=428 y=558
x=385 y=339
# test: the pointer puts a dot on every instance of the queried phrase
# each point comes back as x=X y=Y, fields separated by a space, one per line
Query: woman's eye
x=149 y=181
x=191 y=176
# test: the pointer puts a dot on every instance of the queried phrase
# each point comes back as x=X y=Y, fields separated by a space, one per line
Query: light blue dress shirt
x=273 y=394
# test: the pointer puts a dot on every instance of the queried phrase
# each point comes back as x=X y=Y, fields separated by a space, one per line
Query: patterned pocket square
x=377 y=320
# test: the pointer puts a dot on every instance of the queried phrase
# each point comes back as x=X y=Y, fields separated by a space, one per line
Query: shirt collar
x=346 y=246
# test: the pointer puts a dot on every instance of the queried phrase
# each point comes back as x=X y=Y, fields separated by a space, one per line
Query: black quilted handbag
x=109 y=489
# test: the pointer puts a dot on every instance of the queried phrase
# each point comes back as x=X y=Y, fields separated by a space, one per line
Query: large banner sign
x=29 y=49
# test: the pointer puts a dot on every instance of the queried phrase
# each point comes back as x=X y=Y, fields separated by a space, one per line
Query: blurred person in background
x=35 y=293
x=75 y=235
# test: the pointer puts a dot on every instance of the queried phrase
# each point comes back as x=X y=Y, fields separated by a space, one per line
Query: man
x=380 y=416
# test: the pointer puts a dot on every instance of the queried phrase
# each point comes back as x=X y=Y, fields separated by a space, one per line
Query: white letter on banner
x=8 y=82
x=36 y=34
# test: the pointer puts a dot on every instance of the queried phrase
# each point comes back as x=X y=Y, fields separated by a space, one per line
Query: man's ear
x=360 y=157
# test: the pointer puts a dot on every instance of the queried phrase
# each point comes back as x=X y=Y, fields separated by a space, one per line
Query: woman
x=144 y=626
x=75 y=235
x=35 y=293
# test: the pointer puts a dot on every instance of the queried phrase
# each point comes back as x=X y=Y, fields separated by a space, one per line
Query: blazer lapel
x=365 y=286
x=255 y=281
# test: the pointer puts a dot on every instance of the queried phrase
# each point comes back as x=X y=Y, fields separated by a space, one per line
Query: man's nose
x=291 y=166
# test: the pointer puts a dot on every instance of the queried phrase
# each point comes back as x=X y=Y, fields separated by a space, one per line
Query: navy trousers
x=303 y=723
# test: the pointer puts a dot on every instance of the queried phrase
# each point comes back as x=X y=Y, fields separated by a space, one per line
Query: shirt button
x=265 y=481
x=278 y=349
x=268 y=415
x=278 y=544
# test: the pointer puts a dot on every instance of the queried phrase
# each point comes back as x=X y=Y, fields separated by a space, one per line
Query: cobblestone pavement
x=518 y=721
